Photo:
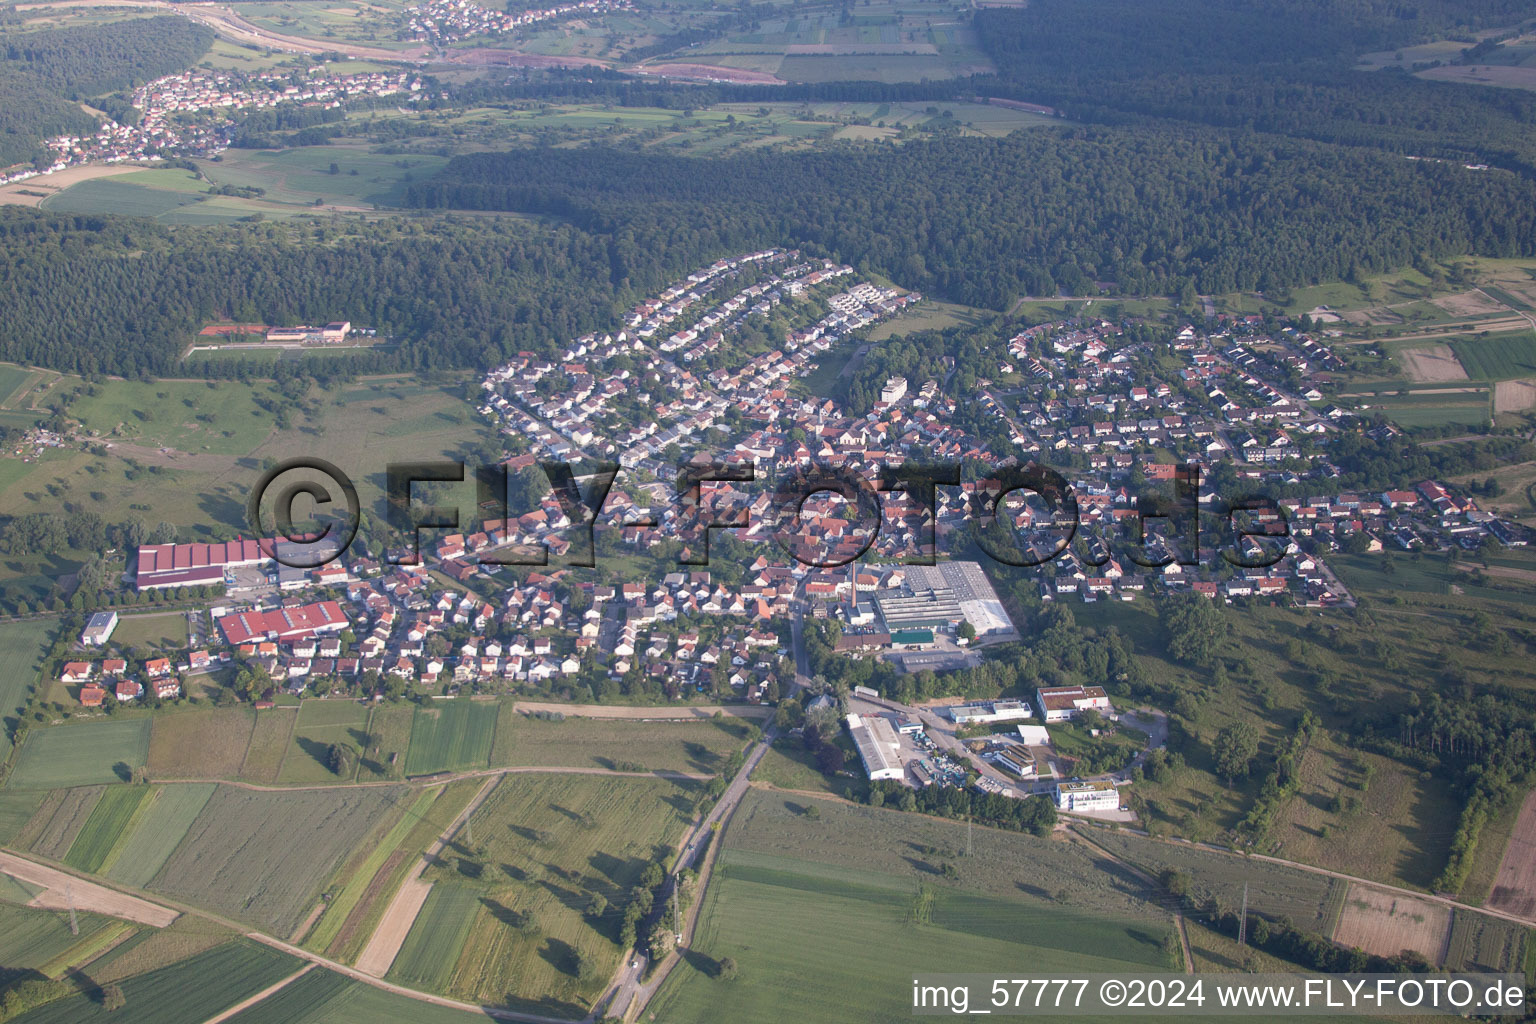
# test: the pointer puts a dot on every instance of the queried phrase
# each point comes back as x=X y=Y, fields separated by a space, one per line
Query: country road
x=627 y=988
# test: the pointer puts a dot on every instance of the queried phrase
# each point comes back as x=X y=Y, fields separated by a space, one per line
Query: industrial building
x=193 y=565
x=877 y=745
x=1060 y=703
x=988 y=711
x=282 y=624
x=1099 y=795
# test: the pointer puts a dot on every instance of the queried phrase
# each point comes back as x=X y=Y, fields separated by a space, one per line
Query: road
x=627 y=987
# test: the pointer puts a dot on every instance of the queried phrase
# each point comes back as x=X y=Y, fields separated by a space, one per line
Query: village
x=452 y=21
x=196 y=113
x=681 y=376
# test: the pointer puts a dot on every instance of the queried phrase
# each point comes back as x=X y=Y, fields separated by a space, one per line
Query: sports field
x=82 y=754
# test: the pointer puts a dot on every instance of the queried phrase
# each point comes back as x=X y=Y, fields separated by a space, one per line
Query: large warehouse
x=877 y=744
x=192 y=565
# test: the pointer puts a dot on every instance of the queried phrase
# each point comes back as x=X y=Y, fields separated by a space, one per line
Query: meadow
x=796 y=908
x=263 y=857
x=322 y=723
x=159 y=631
x=524 y=868
x=22 y=645
x=685 y=746
x=214 y=451
x=451 y=735
x=81 y=754
x=204 y=743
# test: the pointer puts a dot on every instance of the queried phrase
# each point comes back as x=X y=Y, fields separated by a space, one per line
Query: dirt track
x=384 y=945
x=646 y=713
x=61 y=890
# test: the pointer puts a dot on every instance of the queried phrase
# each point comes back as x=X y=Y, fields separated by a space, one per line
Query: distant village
x=452 y=21
x=196 y=113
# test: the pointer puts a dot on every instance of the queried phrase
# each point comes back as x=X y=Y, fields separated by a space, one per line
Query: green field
x=263 y=857
x=192 y=990
x=217 y=447
x=451 y=735
x=431 y=950
x=1498 y=357
x=157 y=832
x=81 y=754
x=161 y=631
x=541 y=846
x=685 y=746
x=22 y=645
x=220 y=417
x=31 y=938
x=114 y=195
x=16 y=809
x=324 y=997
x=322 y=723
x=799 y=921
x=302 y=175
x=107 y=824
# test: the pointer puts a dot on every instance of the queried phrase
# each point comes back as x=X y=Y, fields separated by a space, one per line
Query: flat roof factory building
x=877 y=745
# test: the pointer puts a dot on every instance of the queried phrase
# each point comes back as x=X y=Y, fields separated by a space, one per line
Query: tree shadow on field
x=123 y=771
x=315 y=749
x=922 y=867
x=560 y=955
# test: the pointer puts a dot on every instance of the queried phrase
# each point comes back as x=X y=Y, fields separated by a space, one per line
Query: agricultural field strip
x=83 y=894
x=384 y=945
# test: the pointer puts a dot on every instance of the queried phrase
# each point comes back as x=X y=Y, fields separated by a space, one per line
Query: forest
x=982 y=221
x=455 y=292
x=1282 y=67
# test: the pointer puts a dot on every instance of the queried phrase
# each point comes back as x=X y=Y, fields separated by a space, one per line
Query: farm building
x=1087 y=796
x=877 y=745
x=99 y=629
x=1059 y=703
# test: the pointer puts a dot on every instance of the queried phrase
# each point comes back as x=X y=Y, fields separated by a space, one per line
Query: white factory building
x=877 y=745
x=1099 y=795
